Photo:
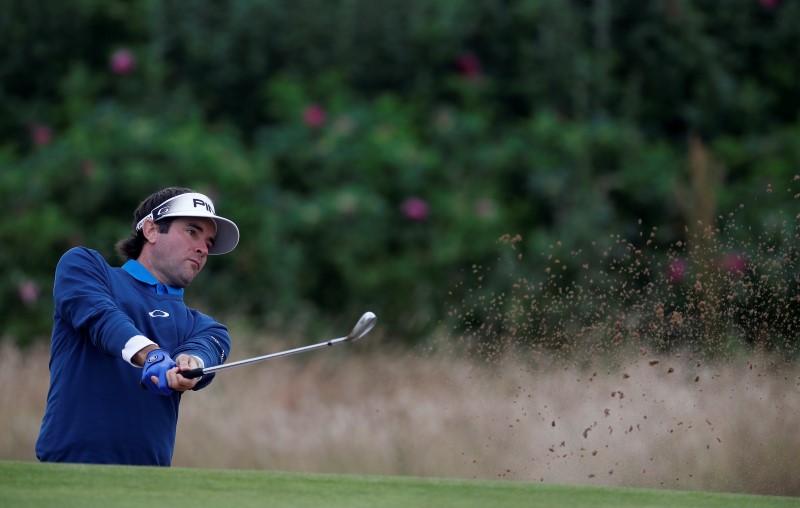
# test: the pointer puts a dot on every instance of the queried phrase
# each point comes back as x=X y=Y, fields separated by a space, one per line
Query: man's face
x=178 y=255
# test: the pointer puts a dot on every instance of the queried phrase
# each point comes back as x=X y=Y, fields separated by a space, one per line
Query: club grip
x=191 y=374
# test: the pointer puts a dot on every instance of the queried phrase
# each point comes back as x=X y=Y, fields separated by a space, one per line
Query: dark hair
x=131 y=246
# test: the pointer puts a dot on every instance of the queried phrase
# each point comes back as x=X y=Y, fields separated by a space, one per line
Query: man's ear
x=150 y=231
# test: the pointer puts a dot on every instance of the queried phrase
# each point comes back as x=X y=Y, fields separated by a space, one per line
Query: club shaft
x=280 y=354
x=363 y=326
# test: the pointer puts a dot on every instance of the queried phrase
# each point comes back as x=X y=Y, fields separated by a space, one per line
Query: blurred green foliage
x=373 y=153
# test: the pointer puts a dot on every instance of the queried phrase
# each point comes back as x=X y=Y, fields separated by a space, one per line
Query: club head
x=364 y=325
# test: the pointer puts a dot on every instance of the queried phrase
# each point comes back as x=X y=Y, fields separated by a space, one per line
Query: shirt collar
x=140 y=273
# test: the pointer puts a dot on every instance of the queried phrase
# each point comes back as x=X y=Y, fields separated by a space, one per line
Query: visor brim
x=227 y=236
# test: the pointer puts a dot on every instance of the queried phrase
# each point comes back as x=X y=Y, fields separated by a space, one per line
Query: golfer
x=121 y=336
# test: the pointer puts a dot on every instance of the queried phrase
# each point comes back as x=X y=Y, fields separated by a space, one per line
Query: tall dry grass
x=677 y=423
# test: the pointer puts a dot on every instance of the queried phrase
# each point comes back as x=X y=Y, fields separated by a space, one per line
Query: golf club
x=364 y=325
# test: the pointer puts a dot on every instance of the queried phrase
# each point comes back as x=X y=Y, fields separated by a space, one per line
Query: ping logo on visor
x=194 y=204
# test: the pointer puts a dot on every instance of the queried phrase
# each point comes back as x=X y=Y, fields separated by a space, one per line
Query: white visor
x=194 y=204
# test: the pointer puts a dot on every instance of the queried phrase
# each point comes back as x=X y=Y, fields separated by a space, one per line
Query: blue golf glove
x=157 y=364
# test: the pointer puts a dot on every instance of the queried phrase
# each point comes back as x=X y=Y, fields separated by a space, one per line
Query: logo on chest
x=158 y=313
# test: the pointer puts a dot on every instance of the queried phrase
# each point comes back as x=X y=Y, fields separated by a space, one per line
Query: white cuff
x=133 y=346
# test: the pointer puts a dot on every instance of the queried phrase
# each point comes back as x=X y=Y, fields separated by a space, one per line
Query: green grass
x=68 y=485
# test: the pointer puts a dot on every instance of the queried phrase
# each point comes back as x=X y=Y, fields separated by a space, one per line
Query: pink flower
x=770 y=4
x=314 y=116
x=28 y=292
x=415 y=209
x=468 y=65
x=122 y=62
x=676 y=270
x=41 y=134
x=734 y=263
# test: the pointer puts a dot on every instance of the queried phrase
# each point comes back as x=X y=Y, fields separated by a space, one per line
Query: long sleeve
x=83 y=299
x=209 y=341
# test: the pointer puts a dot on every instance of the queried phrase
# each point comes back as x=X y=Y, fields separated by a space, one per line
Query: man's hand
x=161 y=374
x=178 y=382
x=154 y=373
